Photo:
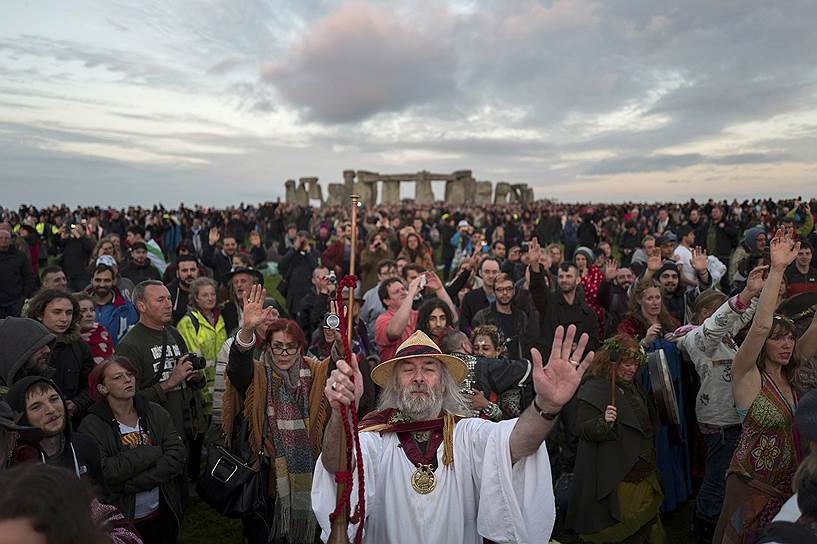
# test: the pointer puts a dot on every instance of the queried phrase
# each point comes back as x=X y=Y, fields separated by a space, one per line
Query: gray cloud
x=360 y=61
x=668 y=163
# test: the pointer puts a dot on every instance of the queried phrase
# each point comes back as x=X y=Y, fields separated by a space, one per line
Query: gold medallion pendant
x=423 y=480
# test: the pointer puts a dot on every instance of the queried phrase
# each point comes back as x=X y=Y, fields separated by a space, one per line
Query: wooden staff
x=613 y=363
x=339 y=533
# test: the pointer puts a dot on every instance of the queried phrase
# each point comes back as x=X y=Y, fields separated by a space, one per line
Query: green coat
x=605 y=455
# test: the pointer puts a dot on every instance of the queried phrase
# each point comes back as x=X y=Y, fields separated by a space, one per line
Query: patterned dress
x=590 y=284
x=759 y=479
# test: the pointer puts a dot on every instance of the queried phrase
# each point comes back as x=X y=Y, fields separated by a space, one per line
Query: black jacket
x=139 y=273
x=17 y=278
x=555 y=311
x=472 y=302
x=129 y=471
x=76 y=252
x=726 y=239
x=296 y=268
x=217 y=260
x=72 y=362
x=310 y=311
x=518 y=345
x=179 y=297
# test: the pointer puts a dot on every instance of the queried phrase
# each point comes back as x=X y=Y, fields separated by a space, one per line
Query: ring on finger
x=334 y=386
x=574 y=363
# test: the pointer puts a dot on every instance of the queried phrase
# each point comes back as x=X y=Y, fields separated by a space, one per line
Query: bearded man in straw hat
x=427 y=469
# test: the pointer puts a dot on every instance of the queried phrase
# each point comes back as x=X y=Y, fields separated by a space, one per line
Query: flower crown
x=613 y=345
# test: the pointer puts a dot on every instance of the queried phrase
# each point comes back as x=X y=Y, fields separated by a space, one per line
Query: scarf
x=393 y=421
x=301 y=412
x=294 y=460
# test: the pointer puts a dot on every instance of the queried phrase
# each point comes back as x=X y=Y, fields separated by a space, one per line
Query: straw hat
x=419 y=345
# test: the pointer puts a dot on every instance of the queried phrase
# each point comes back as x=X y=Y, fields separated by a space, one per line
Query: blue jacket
x=117 y=316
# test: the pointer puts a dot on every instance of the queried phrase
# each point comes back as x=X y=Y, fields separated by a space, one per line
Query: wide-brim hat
x=797 y=304
x=243 y=270
x=419 y=345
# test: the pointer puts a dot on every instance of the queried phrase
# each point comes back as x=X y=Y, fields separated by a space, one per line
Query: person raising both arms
x=759 y=479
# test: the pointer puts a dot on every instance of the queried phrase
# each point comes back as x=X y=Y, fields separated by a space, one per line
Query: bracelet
x=549 y=416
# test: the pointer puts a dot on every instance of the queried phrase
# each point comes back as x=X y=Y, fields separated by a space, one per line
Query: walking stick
x=613 y=362
x=339 y=518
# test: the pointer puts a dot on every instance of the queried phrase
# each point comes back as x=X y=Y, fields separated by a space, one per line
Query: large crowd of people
x=514 y=368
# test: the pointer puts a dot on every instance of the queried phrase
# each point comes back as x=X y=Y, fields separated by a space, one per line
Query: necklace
x=423 y=480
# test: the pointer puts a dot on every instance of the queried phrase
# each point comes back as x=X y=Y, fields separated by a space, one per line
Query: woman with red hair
x=280 y=397
x=143 y=456
x=616 y=491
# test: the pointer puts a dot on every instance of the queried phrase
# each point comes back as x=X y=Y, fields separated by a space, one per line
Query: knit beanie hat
x=587 y=252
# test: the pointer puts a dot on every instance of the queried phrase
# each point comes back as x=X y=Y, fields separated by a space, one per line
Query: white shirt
x=518 y=507
x=684 y=257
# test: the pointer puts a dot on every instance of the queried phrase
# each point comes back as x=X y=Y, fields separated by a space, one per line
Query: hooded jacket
x=79 y=453
x=72 y=362
x=129 y=471
x=20 y=338
x=117 y=316
x=745 y=249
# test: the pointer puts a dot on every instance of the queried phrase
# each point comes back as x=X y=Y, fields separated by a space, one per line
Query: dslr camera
x=333 y=279
x=197 y=361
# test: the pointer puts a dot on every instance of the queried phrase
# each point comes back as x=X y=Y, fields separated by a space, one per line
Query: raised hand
x=213 y=236
x=783 y=249
x=433 y=281
x=754 y=283
x=254 y=311
x=654 y=260
x=699 y=260
x=556 y=383
x=611 y=270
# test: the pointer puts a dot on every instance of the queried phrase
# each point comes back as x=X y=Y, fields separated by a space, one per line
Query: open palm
x=557 y=382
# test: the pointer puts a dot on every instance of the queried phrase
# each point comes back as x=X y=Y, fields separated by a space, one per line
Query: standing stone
x=367 y=193
x=391 y=192
x=455 y=192
x=302 y=195
x=290 y=191
x=484 y=192
x=349 y=180
x=502 y=190
x=423 y=193
x=313 y=189
x=337 y=194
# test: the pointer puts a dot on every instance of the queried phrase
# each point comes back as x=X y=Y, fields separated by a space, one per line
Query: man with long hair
x=427 y=470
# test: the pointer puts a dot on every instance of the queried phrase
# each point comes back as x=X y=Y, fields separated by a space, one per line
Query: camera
x=524 y=247
x=331 y=321
x=332 y=278
x=198 y=362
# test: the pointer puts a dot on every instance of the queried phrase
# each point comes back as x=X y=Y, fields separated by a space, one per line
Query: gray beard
x=419 y=407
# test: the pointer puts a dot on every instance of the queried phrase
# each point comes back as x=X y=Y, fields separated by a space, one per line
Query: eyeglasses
x=504 y=289
x=280 y=349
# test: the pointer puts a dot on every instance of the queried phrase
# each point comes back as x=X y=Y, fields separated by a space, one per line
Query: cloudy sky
x=219 y=101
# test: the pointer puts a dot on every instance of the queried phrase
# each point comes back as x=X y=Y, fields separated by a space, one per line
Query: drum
x=662 y=388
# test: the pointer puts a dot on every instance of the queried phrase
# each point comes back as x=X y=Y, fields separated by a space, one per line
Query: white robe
x=518 y=501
